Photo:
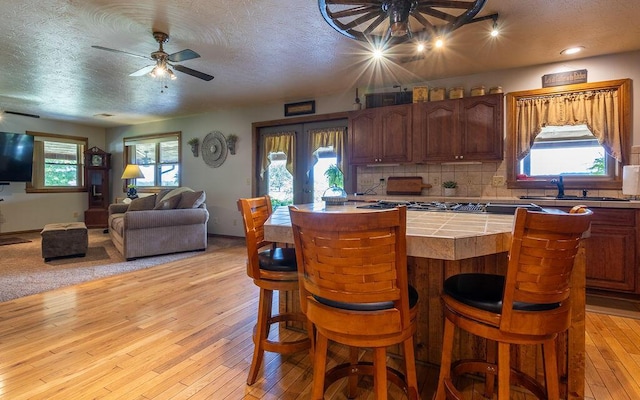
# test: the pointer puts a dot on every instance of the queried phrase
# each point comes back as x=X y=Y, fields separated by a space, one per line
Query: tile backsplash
x=474 y=179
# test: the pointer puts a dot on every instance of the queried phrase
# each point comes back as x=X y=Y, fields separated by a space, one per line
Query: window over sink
x=566 y=150
x=581 y=131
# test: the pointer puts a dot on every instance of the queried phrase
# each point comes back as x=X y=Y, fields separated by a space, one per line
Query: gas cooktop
x=451 y=206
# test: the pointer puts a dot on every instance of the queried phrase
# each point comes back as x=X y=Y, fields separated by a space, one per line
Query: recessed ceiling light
x=572 y=50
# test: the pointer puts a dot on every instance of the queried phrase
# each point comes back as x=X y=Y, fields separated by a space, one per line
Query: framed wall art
x=301 y=108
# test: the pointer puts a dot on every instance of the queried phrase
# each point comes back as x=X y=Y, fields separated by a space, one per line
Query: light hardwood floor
x=183 y=330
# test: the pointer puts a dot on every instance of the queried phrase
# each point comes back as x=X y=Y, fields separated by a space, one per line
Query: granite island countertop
x=439 y=235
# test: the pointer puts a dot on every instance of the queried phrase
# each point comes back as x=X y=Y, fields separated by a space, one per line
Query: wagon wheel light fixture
x=385 y=23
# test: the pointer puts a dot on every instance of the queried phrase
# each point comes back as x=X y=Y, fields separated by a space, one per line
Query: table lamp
x=132 y=171
x=631 y=181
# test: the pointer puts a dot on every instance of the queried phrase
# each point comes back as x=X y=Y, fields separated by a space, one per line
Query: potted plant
x=449 y=188
x=194 y=143
x=231 y=143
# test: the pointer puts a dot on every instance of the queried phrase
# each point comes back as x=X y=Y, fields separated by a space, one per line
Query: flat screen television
x=16 y=157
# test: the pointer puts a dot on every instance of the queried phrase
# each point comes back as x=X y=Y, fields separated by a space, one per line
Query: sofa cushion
x=161 y=194
x=192 y=199
x=142 y=203
x=168 y=203
x=168 y=193
x=116 y=223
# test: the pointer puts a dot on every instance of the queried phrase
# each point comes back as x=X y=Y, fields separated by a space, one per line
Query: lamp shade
x=132 y=171
x=631 y=180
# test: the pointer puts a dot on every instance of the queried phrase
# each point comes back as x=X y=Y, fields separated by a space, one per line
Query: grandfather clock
x=97 y=164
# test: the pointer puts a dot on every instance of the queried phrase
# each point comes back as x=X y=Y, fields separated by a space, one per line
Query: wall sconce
x=631 y=181
x=195 y=144
x=231 y=143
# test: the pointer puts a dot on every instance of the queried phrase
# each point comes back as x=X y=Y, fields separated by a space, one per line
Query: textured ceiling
x=258 y=51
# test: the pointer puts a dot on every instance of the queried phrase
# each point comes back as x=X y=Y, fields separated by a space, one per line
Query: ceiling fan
x=163 y=60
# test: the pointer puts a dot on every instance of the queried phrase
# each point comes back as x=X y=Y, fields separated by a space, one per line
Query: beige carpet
x=23 y=271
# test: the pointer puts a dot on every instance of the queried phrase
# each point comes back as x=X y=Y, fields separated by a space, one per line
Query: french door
x=289 y=172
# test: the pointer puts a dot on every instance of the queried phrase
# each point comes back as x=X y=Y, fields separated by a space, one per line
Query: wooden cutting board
x=406 y=185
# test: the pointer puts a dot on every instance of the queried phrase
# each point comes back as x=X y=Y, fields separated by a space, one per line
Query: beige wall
x=224 y=185
x=20 y=211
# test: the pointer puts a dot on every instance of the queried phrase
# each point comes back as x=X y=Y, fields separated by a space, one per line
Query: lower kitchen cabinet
x=612 y=252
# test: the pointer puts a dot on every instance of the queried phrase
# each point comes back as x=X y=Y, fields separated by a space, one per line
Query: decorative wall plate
x=214 y=149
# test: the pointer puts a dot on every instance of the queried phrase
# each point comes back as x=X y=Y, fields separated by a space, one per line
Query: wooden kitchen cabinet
x=381 y=135
x=468 y=129
x=612 y=251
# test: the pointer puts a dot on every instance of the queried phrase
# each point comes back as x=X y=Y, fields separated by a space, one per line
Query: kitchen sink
x=573 y=198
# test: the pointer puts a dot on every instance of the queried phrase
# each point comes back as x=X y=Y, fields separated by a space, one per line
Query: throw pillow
x=162 y=193
x=174 y=192
x=192 y=199
x=168 y=203
x=142 y=203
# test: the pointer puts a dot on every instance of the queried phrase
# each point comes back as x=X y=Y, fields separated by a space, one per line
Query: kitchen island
x=441 y=244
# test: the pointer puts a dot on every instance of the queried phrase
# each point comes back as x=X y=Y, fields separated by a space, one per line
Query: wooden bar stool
x=354 y=289
x=271 y=268
x=530 y=305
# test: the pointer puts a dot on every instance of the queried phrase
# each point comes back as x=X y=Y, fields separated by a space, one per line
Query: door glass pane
x=326 y=173
x=280 y=181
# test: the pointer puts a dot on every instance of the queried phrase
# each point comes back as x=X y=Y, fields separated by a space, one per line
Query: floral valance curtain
x=327 y=137
x=599 y=110
x=279 y=142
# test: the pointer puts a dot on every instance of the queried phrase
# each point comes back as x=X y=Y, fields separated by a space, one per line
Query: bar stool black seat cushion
x=485 y=291
x=278 y=259
x=384 y=305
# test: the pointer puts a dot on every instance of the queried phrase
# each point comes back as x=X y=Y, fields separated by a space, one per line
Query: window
x=581 y=131
x=158 y=157
x=566 y=150
x=57 y=163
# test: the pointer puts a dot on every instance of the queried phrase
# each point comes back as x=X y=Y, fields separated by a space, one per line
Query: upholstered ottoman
x=64 y=240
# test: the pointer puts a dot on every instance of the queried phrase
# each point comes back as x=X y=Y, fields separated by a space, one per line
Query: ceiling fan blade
x=120 y=51
x=19 y=113
x=143 y=71
x=186 y=54
x=193 y=72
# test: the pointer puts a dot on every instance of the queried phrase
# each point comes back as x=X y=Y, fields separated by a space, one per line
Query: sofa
x=174 y=220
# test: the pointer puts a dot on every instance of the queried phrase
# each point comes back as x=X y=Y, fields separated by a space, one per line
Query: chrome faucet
x=560 y=184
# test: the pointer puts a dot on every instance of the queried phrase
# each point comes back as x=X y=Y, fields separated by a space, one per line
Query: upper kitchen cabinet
x=469 y=129
x=381 y=135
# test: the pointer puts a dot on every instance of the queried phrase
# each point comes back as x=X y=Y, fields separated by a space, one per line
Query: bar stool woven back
x=354 y=289
x=530 y=305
